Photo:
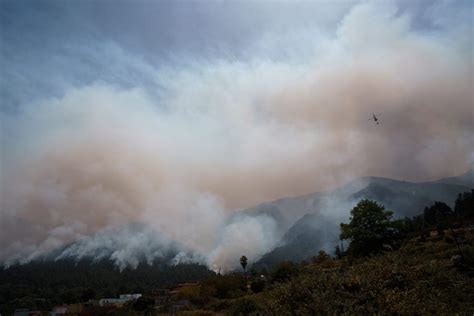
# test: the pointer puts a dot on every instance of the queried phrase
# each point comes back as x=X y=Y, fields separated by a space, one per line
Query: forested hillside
x=43 y=284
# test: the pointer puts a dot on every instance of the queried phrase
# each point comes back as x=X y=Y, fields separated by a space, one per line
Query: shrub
x=257 y=285
x=225 y=286
x=245 y=306
x=468 y=253
x=321 y=257
x=284 y=271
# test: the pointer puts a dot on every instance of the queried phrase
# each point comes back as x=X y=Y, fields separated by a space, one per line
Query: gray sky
x=72 y=40
x=75 y=42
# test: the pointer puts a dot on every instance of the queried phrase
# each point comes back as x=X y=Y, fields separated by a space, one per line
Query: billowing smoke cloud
x=180 y=153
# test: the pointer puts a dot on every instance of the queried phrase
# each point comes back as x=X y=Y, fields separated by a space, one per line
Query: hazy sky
x=177 y=112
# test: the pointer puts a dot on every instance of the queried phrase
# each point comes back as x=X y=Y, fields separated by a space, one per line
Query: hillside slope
x=319 y=227
x=419 y=278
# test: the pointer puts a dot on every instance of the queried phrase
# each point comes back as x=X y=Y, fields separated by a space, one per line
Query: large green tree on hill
x=369 y=229
x=464 y=206
x=437 y=213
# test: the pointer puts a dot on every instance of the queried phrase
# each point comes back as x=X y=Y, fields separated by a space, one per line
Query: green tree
x=284 y=271
x=464 y=205
x=437 y=213
x=369 y=229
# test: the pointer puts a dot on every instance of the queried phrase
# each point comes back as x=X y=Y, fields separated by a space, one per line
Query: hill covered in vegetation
x=310 y=223
x=417 y=278
x=421 y=265
x=43 y=284
x=423 y=276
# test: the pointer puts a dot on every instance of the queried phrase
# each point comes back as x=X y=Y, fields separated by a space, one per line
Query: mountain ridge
x=305 y=224
x=318 y=229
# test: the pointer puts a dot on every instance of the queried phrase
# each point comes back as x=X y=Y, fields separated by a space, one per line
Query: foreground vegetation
x=415 y=279
x=410 y=266
x=420 y=277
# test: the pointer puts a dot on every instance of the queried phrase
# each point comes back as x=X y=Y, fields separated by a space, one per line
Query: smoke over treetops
x=181 y=145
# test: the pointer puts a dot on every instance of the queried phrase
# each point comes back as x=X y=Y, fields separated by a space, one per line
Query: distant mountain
x=407 y=198
x=303 y=240
x=304 y=224
x=466 y=179
x=318 y=215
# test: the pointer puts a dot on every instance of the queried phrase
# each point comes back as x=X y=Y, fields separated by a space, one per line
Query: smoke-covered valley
x=296 y=227
x=109 y=151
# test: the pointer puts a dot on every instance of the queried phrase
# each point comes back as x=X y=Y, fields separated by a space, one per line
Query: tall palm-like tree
x=243 y=263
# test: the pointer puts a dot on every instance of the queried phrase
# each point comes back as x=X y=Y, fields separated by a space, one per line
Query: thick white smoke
x=224 y=135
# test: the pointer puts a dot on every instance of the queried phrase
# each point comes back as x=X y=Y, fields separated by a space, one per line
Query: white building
x=123 y=298
x=130 y=296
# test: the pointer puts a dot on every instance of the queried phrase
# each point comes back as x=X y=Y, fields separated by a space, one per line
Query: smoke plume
x=195 y=143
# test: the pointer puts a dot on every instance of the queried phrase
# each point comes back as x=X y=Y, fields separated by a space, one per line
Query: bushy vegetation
x=404 y=266
x=418 y=279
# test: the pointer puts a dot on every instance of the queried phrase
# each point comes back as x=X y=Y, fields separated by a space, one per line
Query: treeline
x=43 y=284
x=372 y=229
